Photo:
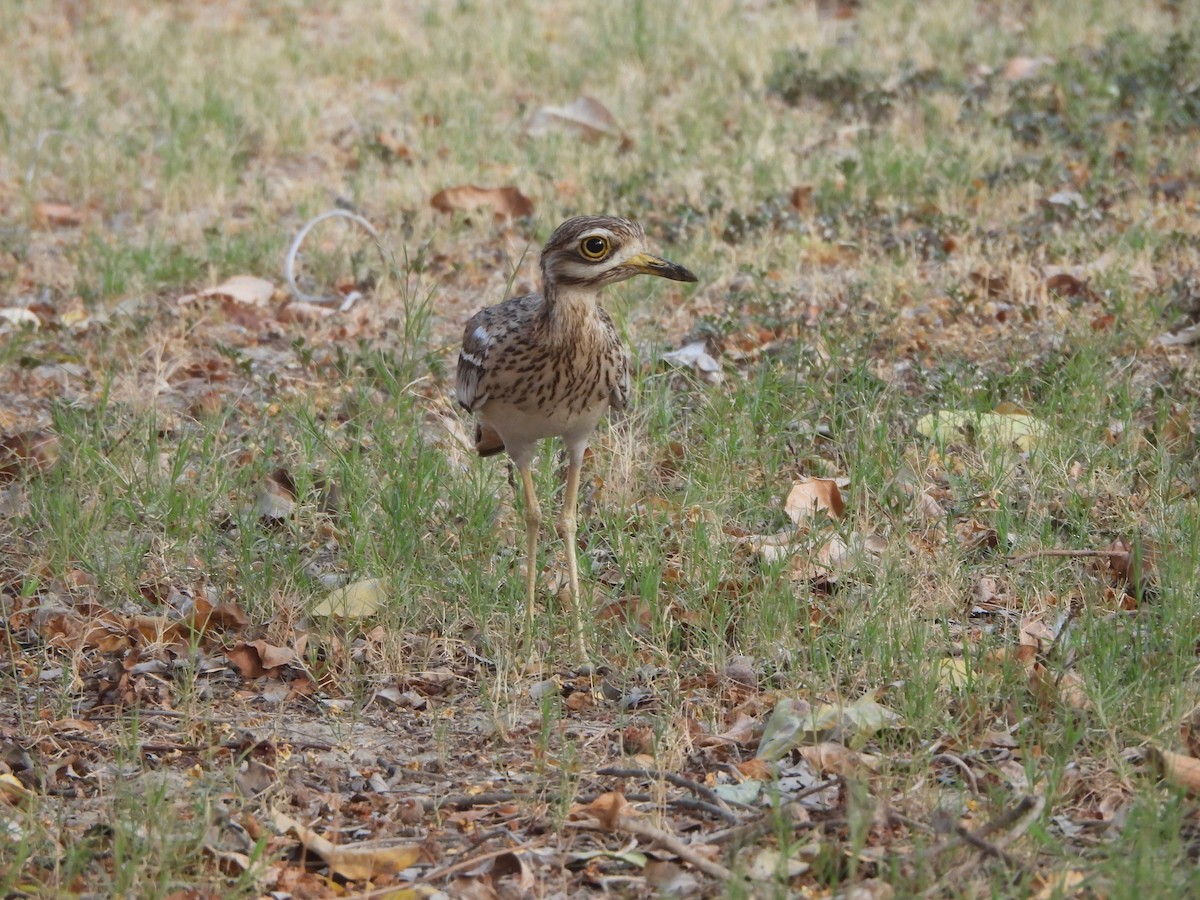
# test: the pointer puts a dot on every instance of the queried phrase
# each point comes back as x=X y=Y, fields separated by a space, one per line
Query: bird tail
x=487 y=441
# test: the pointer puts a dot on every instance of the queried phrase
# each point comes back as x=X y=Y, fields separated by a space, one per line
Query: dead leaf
x=354 y=862
x=11 y=788
x=1058 y=885
x=1177 y=769
x=696 y=356
x=276 y=499
x=669 y=879
x=585 y=117
x=245 y=289
x=1022 y=68
x=832 y=758
x=31 y=451
x=254 y=659
x=1064 y=284
x=810 y=495
x=801 y=198
x=56 y=215
x=505 y=202
x=352 y=601
x=997 y=430
x=608 y=809
x=19 y=317
x=271 y=656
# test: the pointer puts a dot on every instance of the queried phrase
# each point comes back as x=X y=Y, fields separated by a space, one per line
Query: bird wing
x=618 y=397
x=490 y=333
x=472 y=362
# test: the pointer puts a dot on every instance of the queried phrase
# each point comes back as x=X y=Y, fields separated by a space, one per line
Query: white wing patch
x=480 y=334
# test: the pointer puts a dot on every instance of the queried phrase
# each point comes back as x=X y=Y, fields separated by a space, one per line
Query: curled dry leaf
x=1066 y=284
x=276 y=497
x=246 y=289
x=1133 y=566
x=1177 y=769
x=585 y=117
x=14 y=317
x=504 y=202
x=354 y=862
x=608 y=809
x=254 y=659
x=27 y=451
x=1022 y=68
x=831 y=758
x=696 y=356
x=56 y=215
x=809 y=496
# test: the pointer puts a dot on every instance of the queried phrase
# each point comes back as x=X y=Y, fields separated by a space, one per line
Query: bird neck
x=570 y=308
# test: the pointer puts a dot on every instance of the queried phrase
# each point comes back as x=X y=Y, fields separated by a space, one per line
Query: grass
x=908 y=274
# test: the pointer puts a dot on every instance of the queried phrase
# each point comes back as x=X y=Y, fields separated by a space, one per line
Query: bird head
x=593 y=251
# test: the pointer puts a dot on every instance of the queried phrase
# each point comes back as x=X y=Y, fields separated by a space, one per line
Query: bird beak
x=656 y=265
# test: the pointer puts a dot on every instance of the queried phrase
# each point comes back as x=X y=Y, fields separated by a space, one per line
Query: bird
x=551 y=364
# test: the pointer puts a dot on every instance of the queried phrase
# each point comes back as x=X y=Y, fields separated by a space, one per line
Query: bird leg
x=533 y=524
x=567 y=525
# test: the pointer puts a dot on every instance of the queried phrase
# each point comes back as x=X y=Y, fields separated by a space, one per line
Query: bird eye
x=594 y=247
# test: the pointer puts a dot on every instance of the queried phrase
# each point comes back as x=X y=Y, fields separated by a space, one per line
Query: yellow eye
x=594 y=247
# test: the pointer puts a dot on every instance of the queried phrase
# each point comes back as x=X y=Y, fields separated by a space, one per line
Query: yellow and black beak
x=648 y=264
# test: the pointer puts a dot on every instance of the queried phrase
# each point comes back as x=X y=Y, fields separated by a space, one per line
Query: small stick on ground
x=700 y=790
x=664 y=839
x=463 y=801
x=1068 y=554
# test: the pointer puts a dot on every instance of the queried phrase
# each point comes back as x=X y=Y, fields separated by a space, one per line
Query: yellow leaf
x=996 y=429
x=355 y=862
x=353 y=601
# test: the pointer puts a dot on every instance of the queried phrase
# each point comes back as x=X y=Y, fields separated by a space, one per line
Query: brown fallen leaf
x=608 y=809
x=1177 y=769
x=832 y=758
x=354 y=862
x=56 y=215
x=254 y=659
x=1022 y=68
x=1066 y=284
x=272 y=656
x=246 y=289
x=505 y=202
x=584 y=117
x=27 y=451
x=811 y=495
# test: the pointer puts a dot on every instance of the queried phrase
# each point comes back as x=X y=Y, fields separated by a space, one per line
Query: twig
x=1000 y=822
x=687 y=784
x=1070 y=554
x=747 y=834
x=961 y=764
x=987 y=847
x=691 y=803
x=666 y=840
x=1029 y=808
x=444 y=871
x=465 y=801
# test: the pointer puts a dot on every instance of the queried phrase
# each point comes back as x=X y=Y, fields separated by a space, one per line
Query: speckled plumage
x=550 y=364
